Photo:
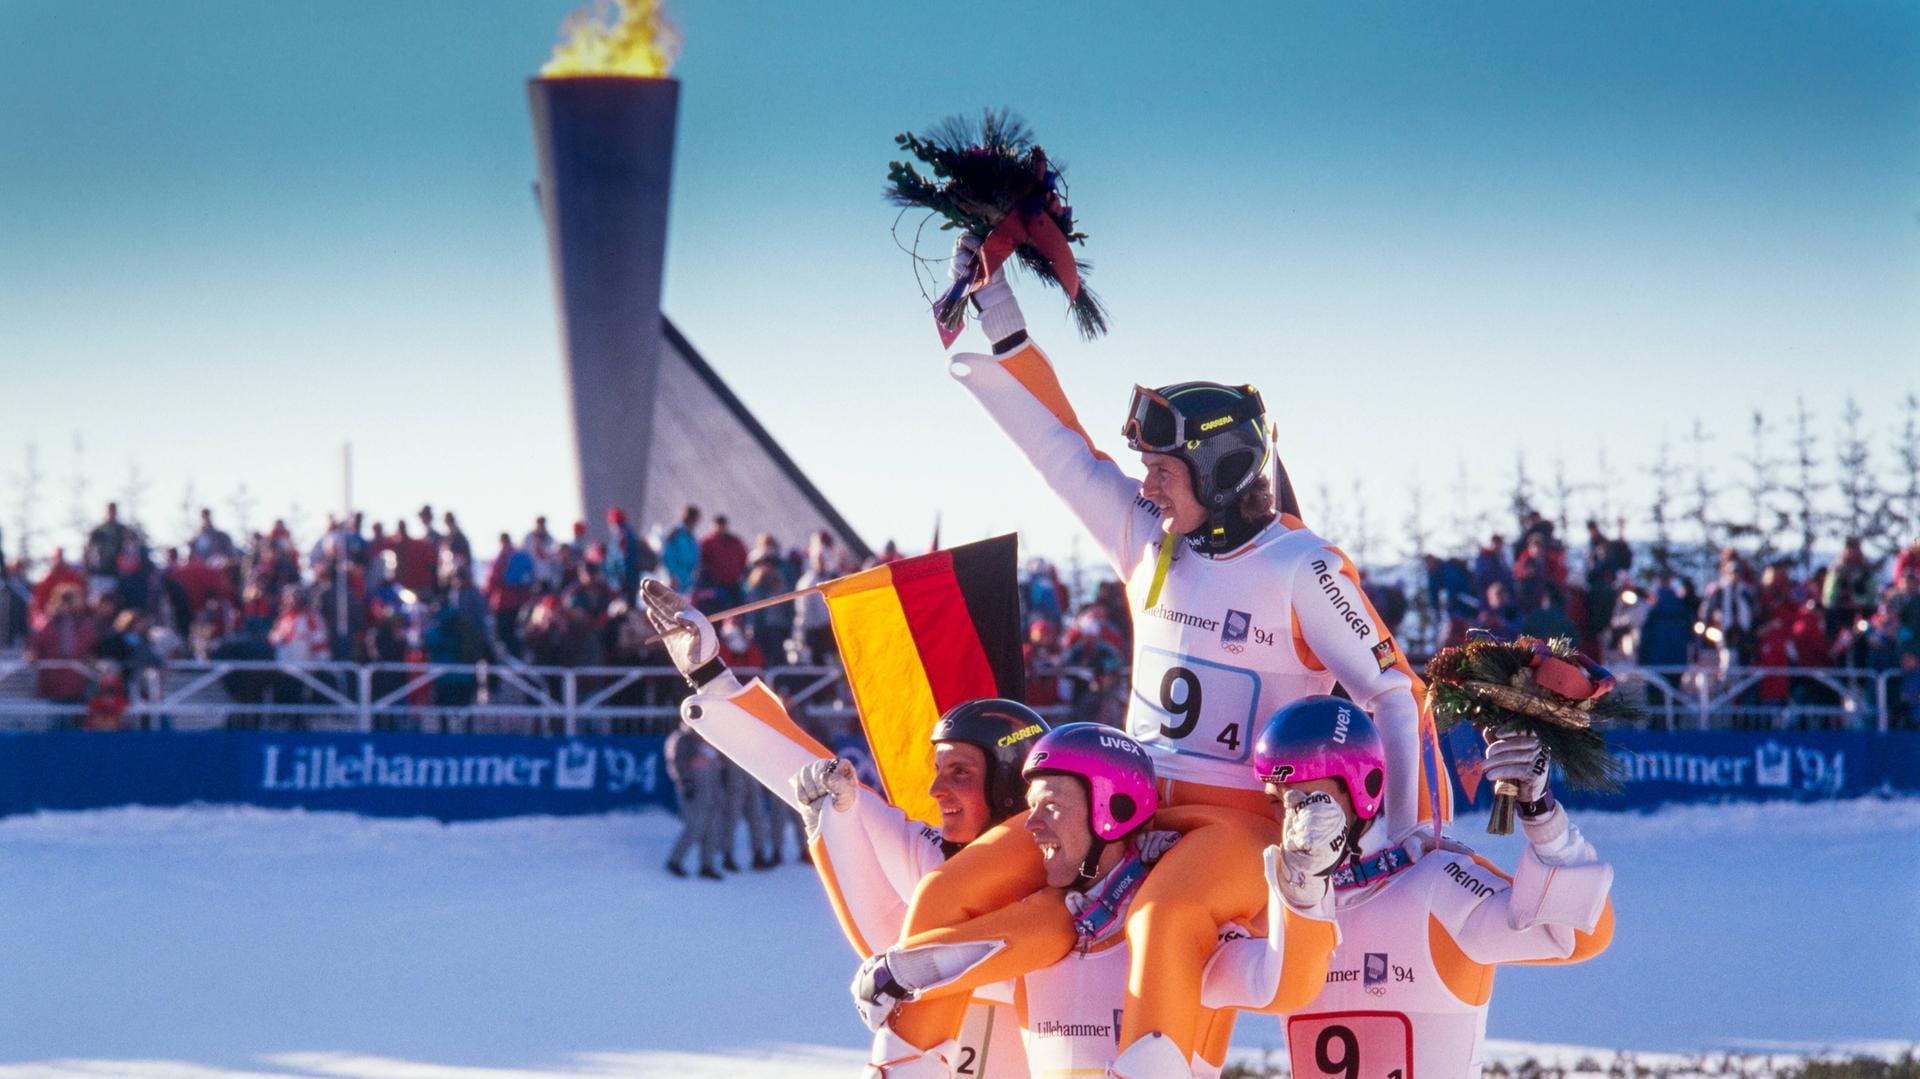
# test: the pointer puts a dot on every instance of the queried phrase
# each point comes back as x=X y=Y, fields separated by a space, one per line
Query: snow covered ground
x=220 y=943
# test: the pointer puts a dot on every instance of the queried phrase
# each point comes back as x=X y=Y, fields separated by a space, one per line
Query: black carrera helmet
x=1004 y=730
x=1220 y=432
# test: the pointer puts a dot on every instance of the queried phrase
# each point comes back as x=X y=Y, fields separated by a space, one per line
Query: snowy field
x=217 y=943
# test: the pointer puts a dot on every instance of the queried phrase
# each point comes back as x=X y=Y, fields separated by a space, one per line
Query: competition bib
x=1194 y=707
x=1351 y=1045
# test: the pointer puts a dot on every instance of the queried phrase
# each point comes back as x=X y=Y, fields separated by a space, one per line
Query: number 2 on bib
x=1351 y=1045
x=1194 y=706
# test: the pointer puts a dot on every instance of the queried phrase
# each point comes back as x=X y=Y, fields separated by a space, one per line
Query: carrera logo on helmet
x=1220 y=422
x=1020 y=735
x=1193 y=443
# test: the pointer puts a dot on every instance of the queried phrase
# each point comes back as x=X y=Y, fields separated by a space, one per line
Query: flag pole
x=748 y=608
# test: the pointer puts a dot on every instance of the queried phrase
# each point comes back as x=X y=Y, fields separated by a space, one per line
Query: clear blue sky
x=235 y=235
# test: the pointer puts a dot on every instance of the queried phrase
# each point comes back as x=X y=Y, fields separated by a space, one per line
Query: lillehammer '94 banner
x=918 y=636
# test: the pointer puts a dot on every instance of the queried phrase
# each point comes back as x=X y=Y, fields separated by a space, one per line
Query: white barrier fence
x=496 y=698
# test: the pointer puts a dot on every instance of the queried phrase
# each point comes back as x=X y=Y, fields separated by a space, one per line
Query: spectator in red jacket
x=59 y=572
x=66 y=633
x=723 y=565
x=416 y=562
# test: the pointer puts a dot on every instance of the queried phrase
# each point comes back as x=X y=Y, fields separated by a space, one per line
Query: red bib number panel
x=1351 y=1045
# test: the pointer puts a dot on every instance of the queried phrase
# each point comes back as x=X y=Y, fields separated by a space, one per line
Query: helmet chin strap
x=1089 y=870
x=1224 y=530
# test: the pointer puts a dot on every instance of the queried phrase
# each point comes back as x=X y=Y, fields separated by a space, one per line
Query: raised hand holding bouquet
x=1535 y=702
x=991 y=180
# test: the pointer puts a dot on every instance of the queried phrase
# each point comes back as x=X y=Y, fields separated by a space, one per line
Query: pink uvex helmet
x=1116 y=769
x=1322 y=737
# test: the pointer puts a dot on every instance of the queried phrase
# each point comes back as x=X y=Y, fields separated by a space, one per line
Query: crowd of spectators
x=413 y=595
x=1840 y=621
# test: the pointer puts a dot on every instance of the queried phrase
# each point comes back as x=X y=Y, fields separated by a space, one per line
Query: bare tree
x=241 y=503
x=1764 y=523
x=1520 y=499
x=189 y=520
x=26 y=505
x=1562 y=492
x=1861 y=502
x=1419 y=545
x=1903 y=501
x=1666 y=477
x=1607 y=478
x=1702 y=492
x=1804 y=492
x=1332 y=523
x=1362 y=536
x=1461 y=520
x=78 y=523
x=133 y=498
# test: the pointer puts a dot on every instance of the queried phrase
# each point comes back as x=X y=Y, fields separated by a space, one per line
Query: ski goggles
x=1155 y=426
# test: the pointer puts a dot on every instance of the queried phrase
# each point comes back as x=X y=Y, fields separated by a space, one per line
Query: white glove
x=1518 y=756
x=1313 y=840
x=1153 y=845
x=1000 y=315
x=1521 y=757
x=876 y=992
x=821 y=782
x=690 y=639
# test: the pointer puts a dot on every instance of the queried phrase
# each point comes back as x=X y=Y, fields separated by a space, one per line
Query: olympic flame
x=615 y=37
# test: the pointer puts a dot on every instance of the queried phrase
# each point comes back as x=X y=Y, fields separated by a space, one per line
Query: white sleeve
x=1484 y=914
x=903 y=850
x=1022 y=394
x=1337 y=624
x=753 y=729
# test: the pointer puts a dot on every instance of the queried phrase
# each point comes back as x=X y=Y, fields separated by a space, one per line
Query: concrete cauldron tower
x=605 y=148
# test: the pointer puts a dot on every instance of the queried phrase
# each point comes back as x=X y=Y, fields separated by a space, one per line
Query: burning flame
x=636 y=41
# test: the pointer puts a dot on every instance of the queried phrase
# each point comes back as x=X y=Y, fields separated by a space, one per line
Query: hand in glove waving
x=690 y=640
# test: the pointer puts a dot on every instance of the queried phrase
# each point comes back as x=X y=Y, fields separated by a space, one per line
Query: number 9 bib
x=1194 y=707
x=1351 y=1045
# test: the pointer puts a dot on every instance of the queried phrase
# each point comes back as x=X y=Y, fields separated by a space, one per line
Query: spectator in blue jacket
x=680 y=552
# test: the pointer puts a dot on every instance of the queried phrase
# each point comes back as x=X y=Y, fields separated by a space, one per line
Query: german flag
x=918 y=636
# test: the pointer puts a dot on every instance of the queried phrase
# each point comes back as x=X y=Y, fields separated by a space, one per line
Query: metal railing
x=494 y=698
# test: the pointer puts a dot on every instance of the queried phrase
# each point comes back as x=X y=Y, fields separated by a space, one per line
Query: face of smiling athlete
x=1170 y=486
x=960 y=790
x=1059 y=821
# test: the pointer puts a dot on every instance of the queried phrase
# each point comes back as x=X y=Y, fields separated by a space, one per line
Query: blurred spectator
x=1490 y=566
x=298 y=635
x=1667 y=629
x=209 y=544
x=1042 y=594
x=1450 y=594
x=427 y=532
x=1728 y=611
x=770 y=626
x=812 y=632
x=723 y=566
x=416 y=562
x=888 y=553
x=1548 y=619
x=66 y=634
x=1607 y=559
x=1541 y=568
x=1389 y=601
x=1045 y=668
x=509 y=586
x=628 y=556
x=1778 y=595
x=680 y=552
x=60 y=573
x=1498 y=615
x=1773 y=647
x=540 y=546
x=1848 y=596
x=695 y=768
x=105 y=544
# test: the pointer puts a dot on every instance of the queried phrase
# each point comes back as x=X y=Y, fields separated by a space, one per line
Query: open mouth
x=1048 y=850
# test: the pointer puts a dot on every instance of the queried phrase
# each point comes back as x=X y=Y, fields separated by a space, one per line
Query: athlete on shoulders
x=1423 y=926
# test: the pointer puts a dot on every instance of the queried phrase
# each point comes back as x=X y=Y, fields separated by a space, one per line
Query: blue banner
x=462 y=777
x=1713 y=766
